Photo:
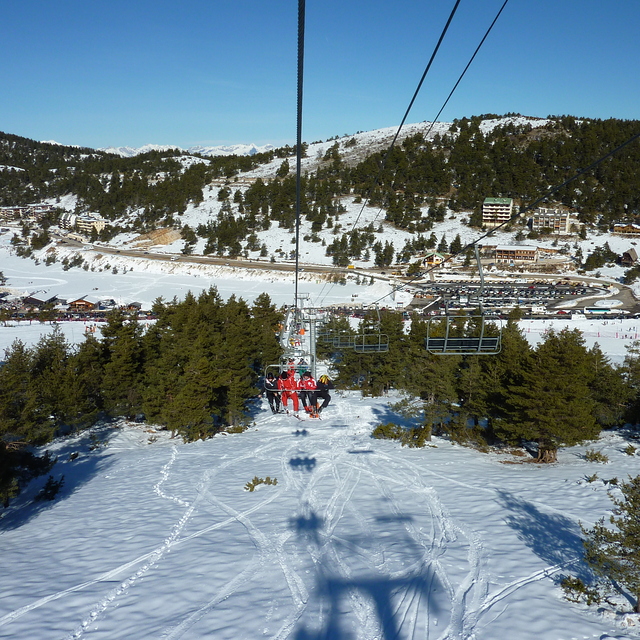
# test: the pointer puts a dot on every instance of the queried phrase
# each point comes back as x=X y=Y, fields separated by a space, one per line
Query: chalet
x=629 y=257
x=34 y=302
x=496 y=211
x=628 y=228
x=433 y=259
x=516 y=254
x=81 y=304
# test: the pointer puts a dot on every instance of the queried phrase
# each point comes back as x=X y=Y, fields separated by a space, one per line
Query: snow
x=359 y=539
x=144 y=280
x=614 y=337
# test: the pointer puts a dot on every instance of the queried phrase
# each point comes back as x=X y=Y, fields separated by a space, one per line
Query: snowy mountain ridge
x=384 y=134
x=221 y=150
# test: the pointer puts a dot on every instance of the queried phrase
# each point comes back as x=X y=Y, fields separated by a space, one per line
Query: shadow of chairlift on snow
x=305 y=464
x=419 y=588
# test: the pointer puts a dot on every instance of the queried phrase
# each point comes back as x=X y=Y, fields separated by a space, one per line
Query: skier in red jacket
x=288 y=385
x=308 y=393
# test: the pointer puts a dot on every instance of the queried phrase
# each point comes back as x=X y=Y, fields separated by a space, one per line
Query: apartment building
x=496 y=211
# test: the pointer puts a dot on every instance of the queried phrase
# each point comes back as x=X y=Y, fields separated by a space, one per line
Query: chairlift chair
x=485 y=338
x=486 y=341
x=364 y=342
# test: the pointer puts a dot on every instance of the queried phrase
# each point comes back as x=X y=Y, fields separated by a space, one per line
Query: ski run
x=359 y=539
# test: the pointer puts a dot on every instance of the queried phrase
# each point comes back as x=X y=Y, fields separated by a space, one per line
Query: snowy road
x=360 y=539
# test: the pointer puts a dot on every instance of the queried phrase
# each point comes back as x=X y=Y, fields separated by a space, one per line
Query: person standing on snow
x=288 y=386
x=322 y=391
x=273 y=394
x=308 y=392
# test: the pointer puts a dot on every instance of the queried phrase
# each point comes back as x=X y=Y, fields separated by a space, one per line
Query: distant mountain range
x=222 y=150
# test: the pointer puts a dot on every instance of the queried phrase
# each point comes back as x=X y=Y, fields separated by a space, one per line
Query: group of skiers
x=289 y=385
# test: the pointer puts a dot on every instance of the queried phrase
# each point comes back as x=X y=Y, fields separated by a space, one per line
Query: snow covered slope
x=359 y=538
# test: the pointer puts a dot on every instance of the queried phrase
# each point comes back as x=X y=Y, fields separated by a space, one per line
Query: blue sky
x=97 y=73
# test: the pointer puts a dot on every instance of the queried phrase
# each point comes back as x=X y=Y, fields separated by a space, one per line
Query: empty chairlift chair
x=465 y=334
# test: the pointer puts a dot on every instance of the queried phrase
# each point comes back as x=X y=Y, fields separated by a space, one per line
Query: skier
x=273 y=395
x=322 y=391
x=288 y=387
x=308 y=393
x=292 y=370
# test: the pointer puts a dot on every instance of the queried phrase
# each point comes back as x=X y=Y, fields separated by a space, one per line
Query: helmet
x=270 y=375
x=284 y=375
x=324 y=379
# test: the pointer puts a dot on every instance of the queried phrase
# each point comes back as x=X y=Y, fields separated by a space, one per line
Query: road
x=629 y=302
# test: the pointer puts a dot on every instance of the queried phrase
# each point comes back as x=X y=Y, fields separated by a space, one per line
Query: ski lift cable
x=475 y=53
x=514 y=217
x=455 y=86
x=406 y=114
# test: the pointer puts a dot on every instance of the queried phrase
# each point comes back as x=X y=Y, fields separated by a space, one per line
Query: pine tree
x=266 y=321
x=631 y=370
x=15 y=378
x=613 y=551
x=456 y=245
x=52 y=400
x=85 y=373
x=609 y=389
x=553 y=404
x=190 y=412
x=502 y=372
x=123 y=370
x=430 y=377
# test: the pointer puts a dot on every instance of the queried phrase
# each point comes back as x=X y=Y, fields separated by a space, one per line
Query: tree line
x=557 y=394
x=193 y=371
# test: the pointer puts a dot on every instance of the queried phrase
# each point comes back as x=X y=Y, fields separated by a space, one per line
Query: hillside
x=427 y=197
x=223 y=205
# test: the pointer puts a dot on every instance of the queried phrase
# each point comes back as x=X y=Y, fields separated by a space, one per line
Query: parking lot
x=537 y=296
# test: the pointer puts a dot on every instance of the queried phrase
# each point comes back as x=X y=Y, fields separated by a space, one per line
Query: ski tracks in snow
x=269 y=549
x=348 y=547
x=471 y=599
x=425 y=580
x=351 y=558
x=152 y=559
